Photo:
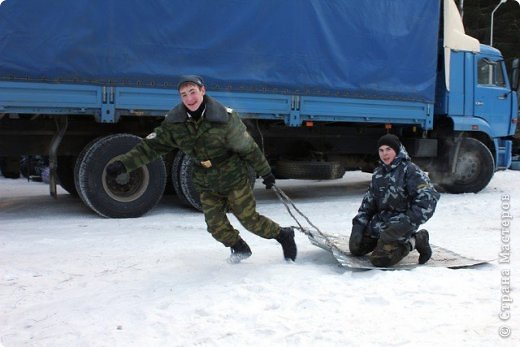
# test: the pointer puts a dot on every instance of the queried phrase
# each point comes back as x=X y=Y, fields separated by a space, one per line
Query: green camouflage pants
x=241 y=202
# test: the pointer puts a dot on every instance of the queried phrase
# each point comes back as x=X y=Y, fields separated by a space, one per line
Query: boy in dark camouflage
x=399 y=199
x=217 y=140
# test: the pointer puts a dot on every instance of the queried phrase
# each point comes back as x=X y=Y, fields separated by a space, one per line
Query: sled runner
x=338 y=246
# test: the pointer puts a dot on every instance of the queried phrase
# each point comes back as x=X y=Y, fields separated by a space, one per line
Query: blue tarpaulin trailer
x=326 y=48
x=317 y=81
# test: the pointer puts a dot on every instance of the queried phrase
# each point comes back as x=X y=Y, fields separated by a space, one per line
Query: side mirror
x=515 y=74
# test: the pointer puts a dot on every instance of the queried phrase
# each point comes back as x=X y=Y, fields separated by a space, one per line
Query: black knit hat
x=391 y=141
x=190 y=79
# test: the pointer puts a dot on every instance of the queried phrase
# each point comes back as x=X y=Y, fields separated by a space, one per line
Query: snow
x=71 y=278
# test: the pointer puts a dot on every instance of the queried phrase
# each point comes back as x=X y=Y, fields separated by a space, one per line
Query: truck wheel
x=179 y=158
x=474 y=168
x=65 y=173
x=77 y=165
x=126 y=196
x=186 y=183
x=311 y=170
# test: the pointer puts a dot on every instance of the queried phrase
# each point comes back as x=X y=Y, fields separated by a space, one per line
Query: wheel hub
x=127 y=186
x=467 y=168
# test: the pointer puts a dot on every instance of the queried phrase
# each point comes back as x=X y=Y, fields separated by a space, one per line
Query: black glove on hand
x=355 y=242
x=115 y=169
x=268 y=180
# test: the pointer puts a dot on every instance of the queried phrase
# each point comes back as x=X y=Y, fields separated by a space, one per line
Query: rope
x=288 y=204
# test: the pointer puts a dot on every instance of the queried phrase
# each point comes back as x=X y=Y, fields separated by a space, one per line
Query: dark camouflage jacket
x=399 y=191
x=219 y=136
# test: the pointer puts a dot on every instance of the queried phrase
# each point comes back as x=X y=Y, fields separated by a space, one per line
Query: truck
x=317 y=82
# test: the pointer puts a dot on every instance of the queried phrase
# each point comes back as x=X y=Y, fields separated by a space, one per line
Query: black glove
x=355 y=242
x=268 y=180
x=115 y=169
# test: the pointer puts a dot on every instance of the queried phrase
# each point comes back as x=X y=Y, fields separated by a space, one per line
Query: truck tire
x=127 y=196
x=77 y=166
x=175 y=173
x=65 y=173
x=474 y=168
x=311 y=170
x=186 y=183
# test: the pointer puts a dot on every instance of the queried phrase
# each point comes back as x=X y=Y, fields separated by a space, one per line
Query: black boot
x=239 y=251
x=387 y=254
x=286 y=239
x=422 y=245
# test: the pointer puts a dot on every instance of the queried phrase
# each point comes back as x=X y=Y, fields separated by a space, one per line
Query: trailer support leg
x=62 y=123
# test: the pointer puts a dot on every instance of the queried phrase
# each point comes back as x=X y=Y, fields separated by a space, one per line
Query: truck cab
x=476 y=109
x=494 y=100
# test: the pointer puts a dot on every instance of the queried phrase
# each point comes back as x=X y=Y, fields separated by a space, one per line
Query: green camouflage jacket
x=219 y=136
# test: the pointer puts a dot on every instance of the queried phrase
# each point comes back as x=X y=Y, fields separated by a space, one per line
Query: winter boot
x=239 y=251
x=387 y=254
x=286 y=239
x=422 y=245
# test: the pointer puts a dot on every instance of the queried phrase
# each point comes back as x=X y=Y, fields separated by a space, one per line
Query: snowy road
x=71 y=278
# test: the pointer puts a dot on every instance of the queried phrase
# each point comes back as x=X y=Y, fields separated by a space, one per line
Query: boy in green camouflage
x=222 y=150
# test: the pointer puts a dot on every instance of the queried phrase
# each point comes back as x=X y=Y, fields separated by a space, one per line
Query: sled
x=338 y=246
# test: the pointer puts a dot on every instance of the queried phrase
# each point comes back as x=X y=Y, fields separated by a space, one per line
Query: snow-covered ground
x=71 y=278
